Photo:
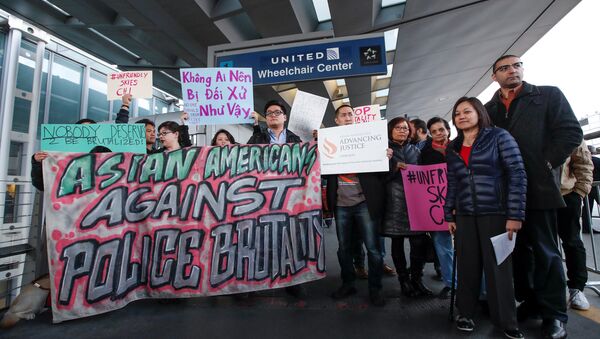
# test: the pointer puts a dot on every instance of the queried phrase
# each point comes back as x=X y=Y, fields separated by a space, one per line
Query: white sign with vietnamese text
x=136 y=83
x=368 y=113
x=214 y=96
x=307 y=113
x=358 y=148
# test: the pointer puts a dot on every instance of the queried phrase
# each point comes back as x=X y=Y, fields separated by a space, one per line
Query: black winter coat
x=429 y=156
x=494 y=182
x=37 y=179
x=395 y=223
x=547 y=131
x=260 y=136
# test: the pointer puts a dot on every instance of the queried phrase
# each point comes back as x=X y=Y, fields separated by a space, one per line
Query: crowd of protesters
x=517 y=166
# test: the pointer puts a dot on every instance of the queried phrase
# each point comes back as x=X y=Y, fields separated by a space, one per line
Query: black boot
x=405 y=286
x=419 y=288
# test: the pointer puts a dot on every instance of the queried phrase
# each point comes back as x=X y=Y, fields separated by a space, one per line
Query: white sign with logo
x=307 y=113
x=136 y=83
x=368 y=113
x=354 y=148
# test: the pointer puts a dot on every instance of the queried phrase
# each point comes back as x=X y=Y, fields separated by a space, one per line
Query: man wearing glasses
x=276 y=133
x=547 y=131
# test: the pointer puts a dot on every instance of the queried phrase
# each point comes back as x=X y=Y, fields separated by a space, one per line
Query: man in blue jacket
x=547 y=131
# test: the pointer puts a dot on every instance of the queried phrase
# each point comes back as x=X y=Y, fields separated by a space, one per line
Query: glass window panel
x=15 y=161
x=98 y=106
x=24 y=86
x=160 y=106
x=143 y=107
x=388 y=3
x=65 y=92
x=43 y=92
x=322 y=10
x=2 y=42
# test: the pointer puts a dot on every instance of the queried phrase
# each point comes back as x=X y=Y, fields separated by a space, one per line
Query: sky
x=567 y=57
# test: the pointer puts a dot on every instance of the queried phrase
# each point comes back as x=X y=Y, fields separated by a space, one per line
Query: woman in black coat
x=434 y=152
x=485 y=198
x=395 y=222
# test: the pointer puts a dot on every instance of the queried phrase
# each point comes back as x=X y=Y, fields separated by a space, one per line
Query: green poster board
x=84 y=137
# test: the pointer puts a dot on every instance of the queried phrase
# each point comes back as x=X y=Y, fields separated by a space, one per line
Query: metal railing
x=588 y=224
x=20 y=238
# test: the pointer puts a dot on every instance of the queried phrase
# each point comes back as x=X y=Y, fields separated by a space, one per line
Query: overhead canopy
x=444 y=48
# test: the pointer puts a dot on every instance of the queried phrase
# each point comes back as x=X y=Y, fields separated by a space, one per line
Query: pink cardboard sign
x=425 y=190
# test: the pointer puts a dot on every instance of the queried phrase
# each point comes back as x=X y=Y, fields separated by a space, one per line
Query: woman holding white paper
x=486 y=197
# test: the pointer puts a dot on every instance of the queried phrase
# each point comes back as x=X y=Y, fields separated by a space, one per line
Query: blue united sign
x=322 y=59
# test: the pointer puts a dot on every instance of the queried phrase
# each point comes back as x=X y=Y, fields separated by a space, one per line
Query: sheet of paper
x=502 y=246
x=354 y=148
x=307 y=113
x=136 y=83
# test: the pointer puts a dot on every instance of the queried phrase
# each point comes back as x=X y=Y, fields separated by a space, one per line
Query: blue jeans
x=347 y=218
x=442 y=241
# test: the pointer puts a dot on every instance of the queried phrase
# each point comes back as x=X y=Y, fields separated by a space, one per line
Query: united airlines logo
x=370 y=55
x=333 y=53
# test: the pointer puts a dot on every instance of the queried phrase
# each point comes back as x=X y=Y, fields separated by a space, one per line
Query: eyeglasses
x=162 y=134
x=504 y=68
x=401 y=128
x=275 y=113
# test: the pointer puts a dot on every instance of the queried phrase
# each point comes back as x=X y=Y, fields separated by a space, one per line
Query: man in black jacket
x=547 y=131
x=276 y=133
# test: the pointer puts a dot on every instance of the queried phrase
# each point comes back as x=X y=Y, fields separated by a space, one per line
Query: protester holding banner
x=150 y=134
x=174 y=136
x=395 y=222
x=358 y=202
x=486 y=197
x=434 y=152
x=222 y=138
x=276 y=133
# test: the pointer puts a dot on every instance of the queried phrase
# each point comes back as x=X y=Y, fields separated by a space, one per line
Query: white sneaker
x=577 y=300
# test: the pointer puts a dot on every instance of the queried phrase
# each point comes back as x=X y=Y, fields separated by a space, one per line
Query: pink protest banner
x=192 y=222
x=425 y=191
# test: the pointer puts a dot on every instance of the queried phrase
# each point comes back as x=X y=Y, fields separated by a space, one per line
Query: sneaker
x=465 y=324
x=376 y=298
x=361 y=273
x=344 y=292
x=514 y=334
x=577 y=300
x=387 y=270
x=445 y=293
